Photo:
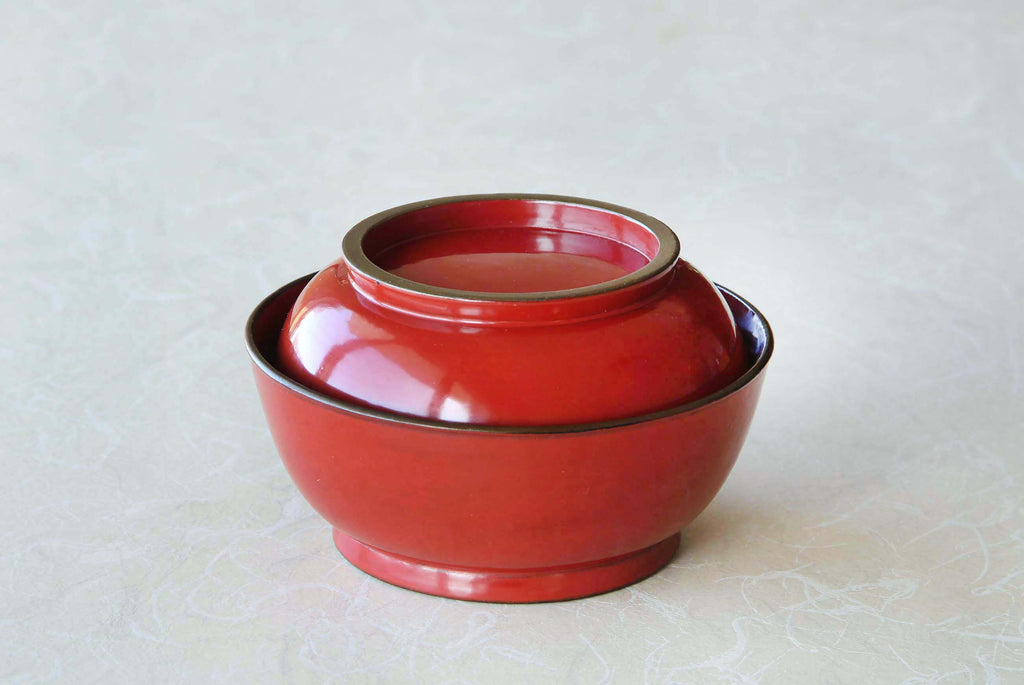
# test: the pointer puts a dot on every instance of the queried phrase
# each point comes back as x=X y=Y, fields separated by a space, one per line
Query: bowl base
x=508 y=585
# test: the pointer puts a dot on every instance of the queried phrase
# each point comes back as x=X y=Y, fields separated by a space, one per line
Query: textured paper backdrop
x=855 y=169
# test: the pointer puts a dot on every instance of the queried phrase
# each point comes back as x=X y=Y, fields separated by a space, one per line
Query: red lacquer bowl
x=506 y=513
x=512 y=310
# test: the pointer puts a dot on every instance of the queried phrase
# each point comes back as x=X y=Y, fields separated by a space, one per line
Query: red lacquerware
x=502 y=499
x=525 y=310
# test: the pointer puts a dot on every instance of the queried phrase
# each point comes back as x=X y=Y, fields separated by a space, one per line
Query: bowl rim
x=272 y=372
x=665 y=258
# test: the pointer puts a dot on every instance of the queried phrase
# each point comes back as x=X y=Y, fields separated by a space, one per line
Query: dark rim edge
x=668 y=250
x=390 y=417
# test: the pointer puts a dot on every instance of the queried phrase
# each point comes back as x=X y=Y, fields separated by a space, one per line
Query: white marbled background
x=855 y=169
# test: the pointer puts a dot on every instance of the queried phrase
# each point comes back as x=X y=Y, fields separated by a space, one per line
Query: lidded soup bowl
x=508 y=397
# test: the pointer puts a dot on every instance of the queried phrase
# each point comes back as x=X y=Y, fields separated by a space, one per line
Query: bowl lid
x=512 y=310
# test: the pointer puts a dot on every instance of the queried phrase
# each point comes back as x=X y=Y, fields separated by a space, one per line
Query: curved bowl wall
x=505 y=513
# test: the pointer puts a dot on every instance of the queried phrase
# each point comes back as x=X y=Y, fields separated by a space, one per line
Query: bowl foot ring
x=508 y=585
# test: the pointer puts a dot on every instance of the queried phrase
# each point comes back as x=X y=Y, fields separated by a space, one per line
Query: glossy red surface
x=511 y=260
x=583 y=333
x=508 y=585
x=504 y=514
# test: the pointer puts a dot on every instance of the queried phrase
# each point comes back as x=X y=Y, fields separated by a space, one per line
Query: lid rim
x=362 y=266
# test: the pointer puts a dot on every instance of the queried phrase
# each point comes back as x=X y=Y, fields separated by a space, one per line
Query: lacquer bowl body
x=505 y=513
